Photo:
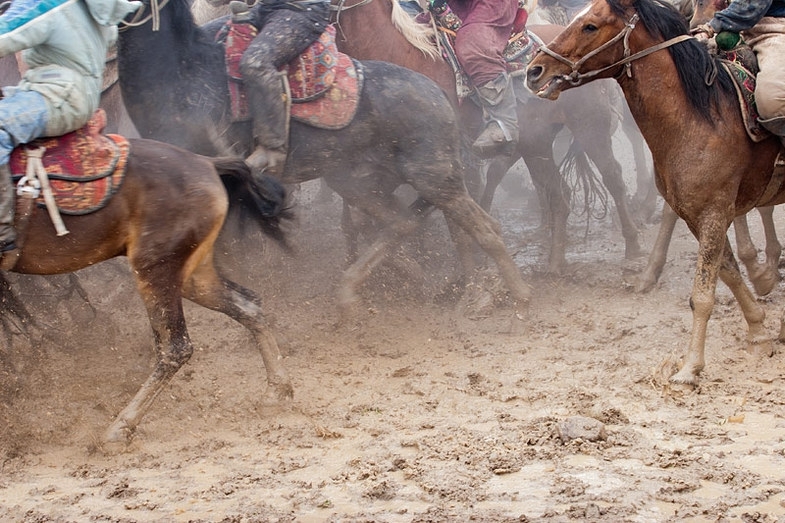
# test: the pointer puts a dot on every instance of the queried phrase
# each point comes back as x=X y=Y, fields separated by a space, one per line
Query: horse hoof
x=684 y=379
x=760 y=349
x=116 y=440
x=278 y=393
x=765 y=283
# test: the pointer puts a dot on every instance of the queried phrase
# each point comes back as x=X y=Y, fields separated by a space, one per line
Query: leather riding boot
x=500 y=113
x=269 y=103
x=7 y=231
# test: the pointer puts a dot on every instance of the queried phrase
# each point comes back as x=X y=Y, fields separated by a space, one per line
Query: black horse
x=405 y=132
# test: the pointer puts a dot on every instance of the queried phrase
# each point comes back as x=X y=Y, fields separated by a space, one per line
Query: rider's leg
x=23 y=117
x=767 y=39
x=500 y=115
x=284 y=35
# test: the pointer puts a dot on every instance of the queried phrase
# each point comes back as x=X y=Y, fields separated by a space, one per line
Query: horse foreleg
x=659 y=252
x=397 y=227
x=757 y=340
x=497 y=170
x=711 y=244
x=173 y=349
x=554 y=195
x=610 y=170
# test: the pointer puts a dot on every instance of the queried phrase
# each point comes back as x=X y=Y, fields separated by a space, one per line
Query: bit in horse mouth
x=550 y=89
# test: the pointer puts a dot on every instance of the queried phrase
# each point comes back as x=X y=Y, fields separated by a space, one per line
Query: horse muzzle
x=543 y=86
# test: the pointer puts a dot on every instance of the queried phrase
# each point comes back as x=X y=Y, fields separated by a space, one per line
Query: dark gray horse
x=405 y=132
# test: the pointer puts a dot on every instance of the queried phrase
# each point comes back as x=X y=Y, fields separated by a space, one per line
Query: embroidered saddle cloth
x=85 y=168
x=742 y=66
x=324 y=84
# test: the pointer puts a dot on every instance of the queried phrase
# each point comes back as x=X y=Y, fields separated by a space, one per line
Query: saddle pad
x=744 y=82
x=85 y=168
x=312 y=73
x=336 y=108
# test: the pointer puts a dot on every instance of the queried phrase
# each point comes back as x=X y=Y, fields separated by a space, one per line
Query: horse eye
x=589 y=28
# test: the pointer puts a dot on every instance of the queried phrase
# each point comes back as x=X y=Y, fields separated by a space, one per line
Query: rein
x=341 y=7
x=576 y=78
x=138 y=20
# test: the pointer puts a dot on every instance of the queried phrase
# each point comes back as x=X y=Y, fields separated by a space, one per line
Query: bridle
x=576 y=78
x=341 y=7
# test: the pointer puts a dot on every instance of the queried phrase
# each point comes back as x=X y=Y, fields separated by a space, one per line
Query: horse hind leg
x=764 y=276
x=659 y=252
x=465 y=212
x=208 y=289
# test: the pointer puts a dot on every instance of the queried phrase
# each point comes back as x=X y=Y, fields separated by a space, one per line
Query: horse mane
x=421 y=36
x=202 y=45
x=694 y=64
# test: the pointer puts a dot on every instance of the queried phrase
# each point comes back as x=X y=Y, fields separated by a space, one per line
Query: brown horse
x=378 y=30
x=165 y=219
x=763 y=275
x=644 y=45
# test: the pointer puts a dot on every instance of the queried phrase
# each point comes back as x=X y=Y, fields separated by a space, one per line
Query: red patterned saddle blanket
x=85 y=168
x=324 y=84
x=741 y=64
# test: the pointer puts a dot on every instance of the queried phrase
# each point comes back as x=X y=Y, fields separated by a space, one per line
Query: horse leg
x=173 y=345
x=711 y=247
x=555 y=196
x=210 y=290
x=771 y=274
x=610 y=169
x=396 y=223
x=497 y=170
x=645 y=192
x=764 y=276
x=464 y=211
x=351 y=232
x=758 y=342
x=653 y=270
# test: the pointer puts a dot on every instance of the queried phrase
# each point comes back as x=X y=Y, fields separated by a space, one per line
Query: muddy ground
x=419 y=412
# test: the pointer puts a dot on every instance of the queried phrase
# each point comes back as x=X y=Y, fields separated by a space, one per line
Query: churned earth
x=427 y=409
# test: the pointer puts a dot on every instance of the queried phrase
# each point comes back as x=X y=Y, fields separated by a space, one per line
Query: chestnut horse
x=663 y=73
x=165 y=219
x=763 y=275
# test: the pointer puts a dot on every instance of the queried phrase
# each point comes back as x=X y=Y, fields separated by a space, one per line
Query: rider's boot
x=269 y=102
x=500 y=113
x=8 y=250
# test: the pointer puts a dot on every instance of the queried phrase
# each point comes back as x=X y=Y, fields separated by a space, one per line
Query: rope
x=35 y=168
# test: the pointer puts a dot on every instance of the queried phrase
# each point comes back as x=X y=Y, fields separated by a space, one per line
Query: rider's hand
x=703 y=32
x=436 y=5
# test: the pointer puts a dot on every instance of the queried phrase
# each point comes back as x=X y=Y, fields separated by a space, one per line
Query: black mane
x=693 y=62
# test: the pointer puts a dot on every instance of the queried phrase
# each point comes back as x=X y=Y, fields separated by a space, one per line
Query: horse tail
x=421 y=36
x=577 y=170
x=264 y=198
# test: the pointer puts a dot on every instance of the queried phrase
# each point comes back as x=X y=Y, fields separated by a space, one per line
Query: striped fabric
x=23 y=12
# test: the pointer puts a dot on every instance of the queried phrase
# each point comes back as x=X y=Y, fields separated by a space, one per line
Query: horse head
x=609 y=36
x=592 y=46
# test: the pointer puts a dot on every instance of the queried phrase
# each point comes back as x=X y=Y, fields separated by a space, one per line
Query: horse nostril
x=534 y=72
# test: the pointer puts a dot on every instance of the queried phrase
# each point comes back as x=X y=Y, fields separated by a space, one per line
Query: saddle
x=742 y=66
x=84 y=168
x=324 y=84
